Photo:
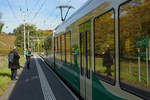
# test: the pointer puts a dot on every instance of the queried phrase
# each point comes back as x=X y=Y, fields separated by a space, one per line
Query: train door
x=85 y=61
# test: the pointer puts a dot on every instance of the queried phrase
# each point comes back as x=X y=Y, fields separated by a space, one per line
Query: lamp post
x=28 y=38
x=24 y=20
x=24 y=36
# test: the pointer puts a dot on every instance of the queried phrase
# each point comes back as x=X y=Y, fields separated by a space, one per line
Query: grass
x=128 y=72
x=5 y=73
x=101 y=69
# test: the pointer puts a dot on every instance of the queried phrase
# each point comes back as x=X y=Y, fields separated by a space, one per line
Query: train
x=102 y=50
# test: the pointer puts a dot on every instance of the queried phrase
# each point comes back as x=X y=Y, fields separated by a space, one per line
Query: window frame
x=61 y=47
x=63 y=53
x=70 y=49
x=88 y=62
x=138 y=91
x=82 y=33
x=54 y=53
x=56 y=46
x=81 y=54
x=57 y=56
x=99 y=76
x=65 y=46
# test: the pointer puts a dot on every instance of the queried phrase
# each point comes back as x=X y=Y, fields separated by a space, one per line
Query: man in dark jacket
x=13 y=59
x=108 y=60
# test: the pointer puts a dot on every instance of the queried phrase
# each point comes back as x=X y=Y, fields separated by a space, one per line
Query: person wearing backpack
x=28 y=58
x=13 y=59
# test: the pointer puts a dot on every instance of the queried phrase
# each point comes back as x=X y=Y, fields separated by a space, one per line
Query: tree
x=19 y=33
x=34 y=36
x=1 y=24
x=134 y=23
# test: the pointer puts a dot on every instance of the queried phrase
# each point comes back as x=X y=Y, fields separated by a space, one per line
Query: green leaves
x=34 y=34
x=1 y=26
x=19 y=33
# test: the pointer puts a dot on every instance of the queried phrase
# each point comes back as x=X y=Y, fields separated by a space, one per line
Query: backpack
x=11 y=57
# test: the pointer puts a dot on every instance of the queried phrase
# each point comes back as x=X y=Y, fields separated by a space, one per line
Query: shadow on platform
x=27 y=86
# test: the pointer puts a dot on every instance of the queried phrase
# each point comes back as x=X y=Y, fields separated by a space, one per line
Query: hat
x=14 y=47
x=107 y=46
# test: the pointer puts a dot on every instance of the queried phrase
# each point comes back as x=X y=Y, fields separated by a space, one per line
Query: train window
x=134 y=43
x=48 y=45
x=58 y=52
x=68 y=47
x=85 y=42
x=88 y=53
x=56 y=47
x=81 y=54
x=104 y=47
x=63 y=46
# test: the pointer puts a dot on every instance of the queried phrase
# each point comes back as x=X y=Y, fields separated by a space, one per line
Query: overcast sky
x=43 y=13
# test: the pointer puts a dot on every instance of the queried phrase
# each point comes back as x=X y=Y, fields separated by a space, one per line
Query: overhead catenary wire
x=27 y=8
x=26 y=2
x=52 y=12
x=35 y=5
x=37 y=2
x=55 y=14
x=34 y=17
x=12 y=11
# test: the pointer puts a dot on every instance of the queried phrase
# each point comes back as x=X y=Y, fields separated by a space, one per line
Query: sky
x=43 y=13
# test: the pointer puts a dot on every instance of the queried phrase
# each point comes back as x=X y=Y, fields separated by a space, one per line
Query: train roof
x=82 y=11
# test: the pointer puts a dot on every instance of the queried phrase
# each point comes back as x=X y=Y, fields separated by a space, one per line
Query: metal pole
x=34 y=46
x=28 y=39
x=24 y=35
x=147 y=66
x=38 y=46
x=139 y=66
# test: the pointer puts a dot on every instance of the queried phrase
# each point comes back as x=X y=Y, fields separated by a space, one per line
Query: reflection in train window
x=104 y=47
x=81 y=54
x=59 y=50
x=63 y=47
x=48 y=45
x=68 y=47
x=56 y=47
x=134 y=36
x=88 y=53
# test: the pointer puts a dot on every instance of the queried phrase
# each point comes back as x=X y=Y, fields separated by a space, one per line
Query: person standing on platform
x=28 y=58
x=75 y=54
x=26 y=52
x=108 y=60
x=13 y=59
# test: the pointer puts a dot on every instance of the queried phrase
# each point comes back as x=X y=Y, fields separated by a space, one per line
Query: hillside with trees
x=6 y=43
x=36 y=37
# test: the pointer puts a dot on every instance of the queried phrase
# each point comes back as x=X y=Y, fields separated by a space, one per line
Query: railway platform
x=39 y=83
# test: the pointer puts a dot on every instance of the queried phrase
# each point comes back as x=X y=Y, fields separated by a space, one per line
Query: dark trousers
x=13 y=74
x=108 y=70
x=28 y=62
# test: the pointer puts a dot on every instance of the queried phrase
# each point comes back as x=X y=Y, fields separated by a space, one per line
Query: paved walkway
x=39 y=83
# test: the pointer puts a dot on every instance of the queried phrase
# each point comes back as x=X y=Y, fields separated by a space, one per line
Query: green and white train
x=76 y=47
